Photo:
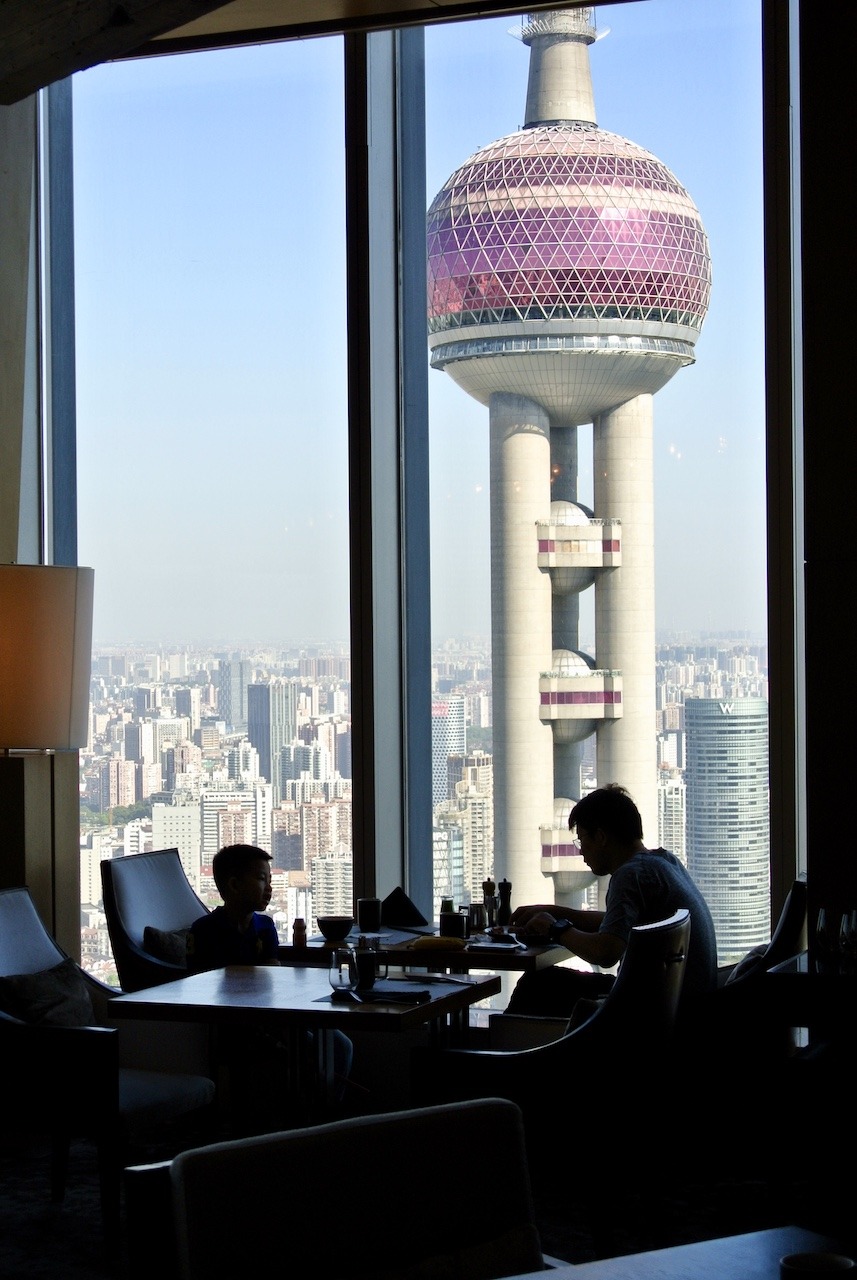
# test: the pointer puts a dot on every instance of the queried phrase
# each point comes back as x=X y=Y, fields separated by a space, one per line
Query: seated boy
x=241 y=932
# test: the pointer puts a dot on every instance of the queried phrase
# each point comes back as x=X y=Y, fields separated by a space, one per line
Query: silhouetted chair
x=787 y=940
x=64 y=1072
x=389 y=1197
x=149 y=904
x=742 y=1036
x=628 y=1034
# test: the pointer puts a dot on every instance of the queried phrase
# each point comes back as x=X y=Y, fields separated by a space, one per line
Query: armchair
x=627 y=1037
x=63 y=1070
x=148 y=891
x=350 y=1223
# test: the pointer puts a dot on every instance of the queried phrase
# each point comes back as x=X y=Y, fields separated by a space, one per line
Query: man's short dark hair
x=234 y=860
x=612 y=810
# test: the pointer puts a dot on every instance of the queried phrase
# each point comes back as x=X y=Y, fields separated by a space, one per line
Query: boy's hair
x=234 y=860
x=611 y=809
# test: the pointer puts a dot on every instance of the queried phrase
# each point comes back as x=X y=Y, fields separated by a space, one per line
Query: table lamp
x=45 y=666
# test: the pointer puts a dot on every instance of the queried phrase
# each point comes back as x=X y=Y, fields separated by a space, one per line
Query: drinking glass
x=343 y=973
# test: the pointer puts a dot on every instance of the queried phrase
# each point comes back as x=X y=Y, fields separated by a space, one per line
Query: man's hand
x=537 y=926
x=543 y=914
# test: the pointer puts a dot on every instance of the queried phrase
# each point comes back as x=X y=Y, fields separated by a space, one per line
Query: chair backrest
x=382 y=1196
x=25 y=944
x=787 y=940
x=642 y=1006
x=146 y=889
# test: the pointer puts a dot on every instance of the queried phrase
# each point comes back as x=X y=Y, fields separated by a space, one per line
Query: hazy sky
x=211 y=338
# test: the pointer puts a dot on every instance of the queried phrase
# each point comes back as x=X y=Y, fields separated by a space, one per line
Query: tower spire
x=559 y=90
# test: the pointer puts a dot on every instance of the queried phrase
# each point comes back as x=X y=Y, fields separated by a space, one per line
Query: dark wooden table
x=289 y=1002
x=396 y=948
x=755 y=1256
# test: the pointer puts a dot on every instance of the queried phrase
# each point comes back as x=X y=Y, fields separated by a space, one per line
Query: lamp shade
x=45 y=656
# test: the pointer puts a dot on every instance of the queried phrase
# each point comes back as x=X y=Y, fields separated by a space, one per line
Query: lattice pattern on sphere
x=565 y=222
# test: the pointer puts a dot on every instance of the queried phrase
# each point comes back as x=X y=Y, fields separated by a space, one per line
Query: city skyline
x=167 y=222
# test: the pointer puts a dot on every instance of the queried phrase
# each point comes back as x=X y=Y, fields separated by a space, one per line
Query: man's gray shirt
x=652 y=885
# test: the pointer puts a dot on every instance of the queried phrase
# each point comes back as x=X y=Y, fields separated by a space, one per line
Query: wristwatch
x=558 y=929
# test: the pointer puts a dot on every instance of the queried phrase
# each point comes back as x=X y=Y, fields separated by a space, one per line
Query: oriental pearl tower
x=568 y=280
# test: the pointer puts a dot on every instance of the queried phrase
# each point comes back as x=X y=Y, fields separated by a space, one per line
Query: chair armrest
x=520 y=1031
x=66 y=1071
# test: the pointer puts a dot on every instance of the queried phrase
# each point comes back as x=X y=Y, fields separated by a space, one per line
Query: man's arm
x=602 y=949
x=585 y=921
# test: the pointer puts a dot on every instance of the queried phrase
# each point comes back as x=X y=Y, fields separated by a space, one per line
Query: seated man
x=240 y=932
x=646 y=885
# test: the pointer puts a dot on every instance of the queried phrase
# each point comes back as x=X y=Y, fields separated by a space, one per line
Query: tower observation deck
x=569 y=276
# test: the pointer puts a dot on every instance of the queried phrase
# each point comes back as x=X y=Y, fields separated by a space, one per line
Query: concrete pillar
x=625 y=603
x=521 y=642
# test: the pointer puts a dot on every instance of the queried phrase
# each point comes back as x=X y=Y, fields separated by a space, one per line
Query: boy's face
x=251 y=890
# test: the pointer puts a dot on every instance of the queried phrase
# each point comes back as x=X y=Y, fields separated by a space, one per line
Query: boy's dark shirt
x=214 y=941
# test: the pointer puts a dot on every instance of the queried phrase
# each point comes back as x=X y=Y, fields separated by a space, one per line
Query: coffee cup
x=815 y=1266
x=369 y=915
x=453 y=924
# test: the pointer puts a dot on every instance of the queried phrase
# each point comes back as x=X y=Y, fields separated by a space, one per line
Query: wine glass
x=343 y=974
x=826 y=938
x=848 y=939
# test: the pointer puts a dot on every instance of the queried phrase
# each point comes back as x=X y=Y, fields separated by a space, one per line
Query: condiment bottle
x=299 y=932
x=504 y=911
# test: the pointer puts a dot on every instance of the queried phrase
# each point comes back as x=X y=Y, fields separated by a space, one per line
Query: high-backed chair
x=64 y=1071
x=149 y=904
x=627 y=1035
x=787 y=940
x=383 y=1196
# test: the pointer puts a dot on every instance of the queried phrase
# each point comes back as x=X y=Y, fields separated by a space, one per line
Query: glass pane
x=595 y=306
x=212 y=453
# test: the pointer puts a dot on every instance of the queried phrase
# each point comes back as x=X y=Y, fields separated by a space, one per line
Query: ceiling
x=46 y=40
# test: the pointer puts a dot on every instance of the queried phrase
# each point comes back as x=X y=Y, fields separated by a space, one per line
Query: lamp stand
x=40 y=803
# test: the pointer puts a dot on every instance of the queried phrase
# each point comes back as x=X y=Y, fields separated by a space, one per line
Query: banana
x=436 y=944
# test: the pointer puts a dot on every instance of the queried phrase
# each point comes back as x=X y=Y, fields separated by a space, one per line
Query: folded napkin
x=397 y=909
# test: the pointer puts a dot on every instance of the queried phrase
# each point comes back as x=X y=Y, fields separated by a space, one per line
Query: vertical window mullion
x=385 y=212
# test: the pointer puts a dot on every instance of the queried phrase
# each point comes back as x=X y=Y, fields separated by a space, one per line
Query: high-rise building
x=179 y=826
x=234 y=677
x=569 y=277
x=728 y=834
x=448 y=738
x=253 y=800
x=272 y=711
x=189 y=703
x=672 y=796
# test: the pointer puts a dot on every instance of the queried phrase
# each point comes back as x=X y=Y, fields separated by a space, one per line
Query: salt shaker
x=299 y=932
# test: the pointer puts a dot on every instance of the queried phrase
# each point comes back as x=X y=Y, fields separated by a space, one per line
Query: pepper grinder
x=504 y=911
x=489 y=898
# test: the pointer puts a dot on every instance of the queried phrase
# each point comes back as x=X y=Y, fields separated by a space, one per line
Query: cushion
x=169 y=945
x=751 y=963
x=57 y=997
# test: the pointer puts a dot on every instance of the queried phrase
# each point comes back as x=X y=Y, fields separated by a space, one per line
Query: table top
x=755 y=1256
x=396 y=947
x=302 y=996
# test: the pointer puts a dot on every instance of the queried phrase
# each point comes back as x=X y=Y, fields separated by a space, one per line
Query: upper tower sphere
x=568 y=264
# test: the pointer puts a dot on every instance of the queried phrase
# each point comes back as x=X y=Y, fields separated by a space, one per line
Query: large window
x=551 y=241
x=212 y=447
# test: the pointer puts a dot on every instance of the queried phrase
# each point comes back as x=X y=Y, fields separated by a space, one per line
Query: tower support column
x=624 y=602
x=520 y=639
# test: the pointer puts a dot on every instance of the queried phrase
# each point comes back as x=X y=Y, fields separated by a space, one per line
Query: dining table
x=290 y=1001
x=753 y=1255
x=401 y=947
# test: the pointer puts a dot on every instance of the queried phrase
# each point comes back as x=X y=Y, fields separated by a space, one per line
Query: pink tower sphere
x=574 y=240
